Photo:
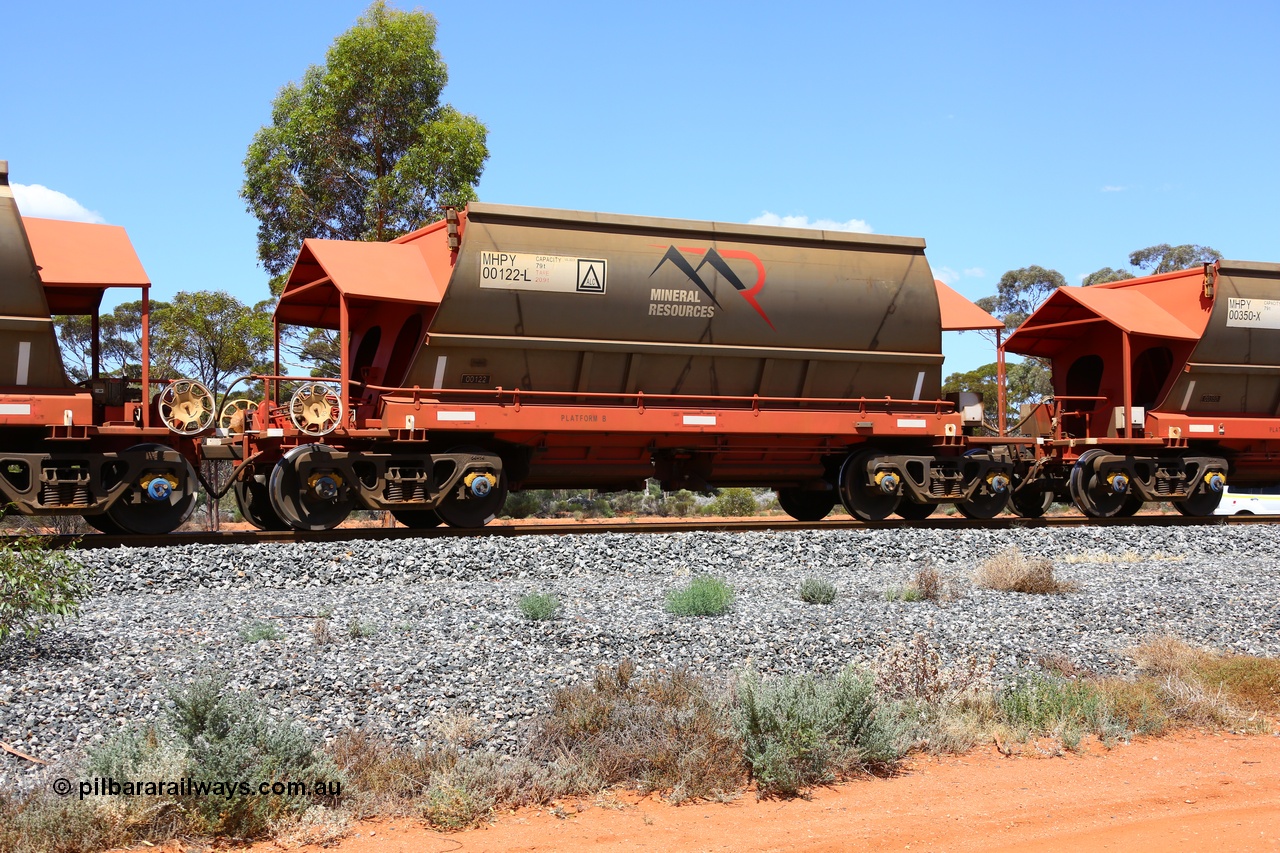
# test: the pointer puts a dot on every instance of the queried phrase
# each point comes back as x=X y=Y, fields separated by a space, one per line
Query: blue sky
x=1064 y=135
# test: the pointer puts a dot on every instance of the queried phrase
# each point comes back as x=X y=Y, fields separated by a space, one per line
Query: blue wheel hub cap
x=159 y=489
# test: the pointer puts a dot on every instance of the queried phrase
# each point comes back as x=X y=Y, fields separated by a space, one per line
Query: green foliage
x=704 y=596
x=802 y=731
x=817 y=591
x=1163 y=258
x=1021 y=291
x=362 y=149
x=1026 y=381
x=38 y=586
x=909 y=593
x=257 y=631
x=360 y=629
x=450 y=806
x=120 y=336
x=1106 y=275
x=679 y=504
x=539 y=606
x=1042 y=704
x=527 y=503
x=735 y=502
x=228 y=737
x=213 y=337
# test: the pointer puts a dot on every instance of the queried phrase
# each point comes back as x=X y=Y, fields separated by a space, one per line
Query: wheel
x=254 y=501
x=1200 y=504
x=864 y=498
x=1029 y=504
x=103 y=524
x=806 y=504
x=988 y=501
x=913 y=511
x=186 y=407
x=157 y=501
x=322 y=501
x=418 y=519
x=1131 y=506
x=1090 y=491
x=470 y=507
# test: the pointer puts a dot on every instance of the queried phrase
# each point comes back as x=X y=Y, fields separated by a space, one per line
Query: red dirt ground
x=1188 y=792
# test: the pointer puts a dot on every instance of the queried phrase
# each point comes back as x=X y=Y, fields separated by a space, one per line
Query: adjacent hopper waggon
x=106 y=448
x=508 y=348
x=1165 y=387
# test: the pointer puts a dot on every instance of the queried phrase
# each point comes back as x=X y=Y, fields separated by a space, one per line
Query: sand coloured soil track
x=1189 y=792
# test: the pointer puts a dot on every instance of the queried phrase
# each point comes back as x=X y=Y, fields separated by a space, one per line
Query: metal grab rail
x=639 y=399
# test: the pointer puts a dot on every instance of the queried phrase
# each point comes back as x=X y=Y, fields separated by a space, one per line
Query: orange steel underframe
x=748 y=435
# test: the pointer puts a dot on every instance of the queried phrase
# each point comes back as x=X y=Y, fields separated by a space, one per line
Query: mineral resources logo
x=665 y=302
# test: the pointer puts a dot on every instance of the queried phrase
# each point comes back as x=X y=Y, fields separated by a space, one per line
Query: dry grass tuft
x=927 y=584
x=1123 y=557
x=1012 y=571
x=1202 y=682
x=914 y=671
x=1061 y=665
x=666 y=732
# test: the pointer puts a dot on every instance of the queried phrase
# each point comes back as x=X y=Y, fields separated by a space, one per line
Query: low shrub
x=817 y=591
x=736 y=502
x=927 y=584
x=1011 y=571
x=1207 y=688
x=914 y=671
x=679 y=504
x=801 y=731
x=705 y=595
x=228 y=736
x=256 y=632
x=361 y=629
x=42 y=822
x=321 y=632
x=527 y=503
x=38 y=586
x=908 y=593
x=1047 y=705
x=539 y=606
x=668 y=732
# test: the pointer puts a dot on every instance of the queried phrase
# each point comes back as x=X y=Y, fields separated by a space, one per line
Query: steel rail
x=556 y=527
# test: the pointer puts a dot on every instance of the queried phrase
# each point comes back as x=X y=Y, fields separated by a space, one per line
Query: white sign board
x=1253 y=313
x=550 y=273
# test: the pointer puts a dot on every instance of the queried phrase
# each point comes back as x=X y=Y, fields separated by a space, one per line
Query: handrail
x=642 y=399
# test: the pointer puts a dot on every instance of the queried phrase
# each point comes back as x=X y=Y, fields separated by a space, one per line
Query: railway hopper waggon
x=508 y=348
x=92 y=448
x=1164 y=387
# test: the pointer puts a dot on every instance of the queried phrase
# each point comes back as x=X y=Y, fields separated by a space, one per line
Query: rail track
x=561 y=528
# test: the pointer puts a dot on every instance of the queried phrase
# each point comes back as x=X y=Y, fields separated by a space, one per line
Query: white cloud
x=1113 y=189
x=975 y=272
x=858 y=226
x=44 y=203
x=946 y=275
